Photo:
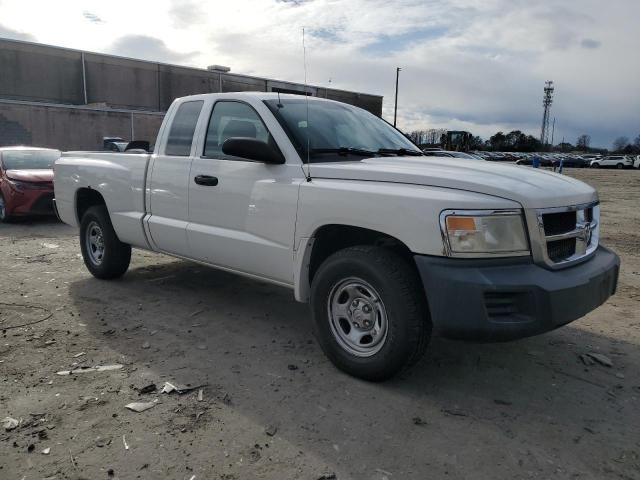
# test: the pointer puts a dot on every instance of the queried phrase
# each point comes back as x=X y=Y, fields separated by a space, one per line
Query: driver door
x=241 y=212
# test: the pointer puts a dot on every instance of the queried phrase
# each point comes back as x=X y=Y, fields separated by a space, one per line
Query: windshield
x=336 y=131
x=29 y=159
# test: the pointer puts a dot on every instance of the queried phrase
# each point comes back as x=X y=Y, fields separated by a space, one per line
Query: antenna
x=306 y=94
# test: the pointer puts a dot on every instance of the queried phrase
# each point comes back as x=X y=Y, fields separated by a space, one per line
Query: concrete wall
x=71 y=128
x=99 y=85
x=127 y=83
x=40 y=73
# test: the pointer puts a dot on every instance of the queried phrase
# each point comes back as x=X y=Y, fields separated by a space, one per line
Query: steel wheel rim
x=94 y=241
x=357 y=317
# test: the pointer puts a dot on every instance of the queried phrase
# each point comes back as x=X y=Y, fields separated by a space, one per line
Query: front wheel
x=105 y=256
x=619 y=166
x=370 y=314
x=595 y=165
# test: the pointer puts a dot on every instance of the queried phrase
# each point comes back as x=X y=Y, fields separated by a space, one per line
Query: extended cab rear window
x=182 y=128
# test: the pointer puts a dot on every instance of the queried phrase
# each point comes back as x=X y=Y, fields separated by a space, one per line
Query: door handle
x=206 y=180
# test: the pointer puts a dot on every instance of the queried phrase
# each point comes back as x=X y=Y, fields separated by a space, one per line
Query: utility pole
x=395 y=108
x=553 y=130
x=547 y=100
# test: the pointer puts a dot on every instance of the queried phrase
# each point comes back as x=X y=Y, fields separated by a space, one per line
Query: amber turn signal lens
x=461 y=223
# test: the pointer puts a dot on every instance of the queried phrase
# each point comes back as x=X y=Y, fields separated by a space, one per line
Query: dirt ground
x=272 y=406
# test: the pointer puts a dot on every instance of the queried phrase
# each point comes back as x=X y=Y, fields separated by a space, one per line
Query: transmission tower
x=547 y=100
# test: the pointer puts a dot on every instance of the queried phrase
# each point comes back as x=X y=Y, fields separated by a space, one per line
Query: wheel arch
x=86 y=198
x=330 y=238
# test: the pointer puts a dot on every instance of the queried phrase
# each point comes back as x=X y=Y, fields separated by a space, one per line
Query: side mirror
x=252 y=149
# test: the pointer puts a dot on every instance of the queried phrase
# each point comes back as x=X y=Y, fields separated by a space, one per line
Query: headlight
x=484 y=233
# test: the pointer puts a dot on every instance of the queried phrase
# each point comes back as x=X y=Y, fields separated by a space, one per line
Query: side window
x=182 y=128
x=232 y=119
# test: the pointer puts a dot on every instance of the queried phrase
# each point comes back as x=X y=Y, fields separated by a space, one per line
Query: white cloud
x=474 y=64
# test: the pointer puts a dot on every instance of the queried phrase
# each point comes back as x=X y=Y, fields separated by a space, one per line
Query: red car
x=26 y=181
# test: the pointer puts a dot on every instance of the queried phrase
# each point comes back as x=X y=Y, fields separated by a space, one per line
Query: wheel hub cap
x=357 y=317
x=95 y=243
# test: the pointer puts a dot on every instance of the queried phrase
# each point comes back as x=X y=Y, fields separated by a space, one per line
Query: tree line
x=517 y=141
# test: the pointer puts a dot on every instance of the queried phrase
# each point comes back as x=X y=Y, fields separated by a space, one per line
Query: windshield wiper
x=401 y=151
x=345 y=151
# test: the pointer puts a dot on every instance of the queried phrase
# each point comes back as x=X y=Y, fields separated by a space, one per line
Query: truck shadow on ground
x=254 y=342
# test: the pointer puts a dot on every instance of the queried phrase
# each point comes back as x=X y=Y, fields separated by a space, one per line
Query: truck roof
x=256 y=96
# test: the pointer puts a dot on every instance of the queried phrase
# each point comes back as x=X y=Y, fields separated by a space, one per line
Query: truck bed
x=118 y=177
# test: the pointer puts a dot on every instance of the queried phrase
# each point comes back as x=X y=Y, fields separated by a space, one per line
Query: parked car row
x=448 y=153
x=567 y=159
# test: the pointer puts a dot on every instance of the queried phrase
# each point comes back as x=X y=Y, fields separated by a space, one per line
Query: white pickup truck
x=386 y=244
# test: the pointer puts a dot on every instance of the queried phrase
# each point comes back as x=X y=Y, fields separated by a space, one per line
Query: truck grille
x=561 y=249
x=559 y=222
x=569 y=234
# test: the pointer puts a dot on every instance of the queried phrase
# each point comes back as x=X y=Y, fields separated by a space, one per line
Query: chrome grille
x=561 y=249
x=568 y=234
x=559 y=222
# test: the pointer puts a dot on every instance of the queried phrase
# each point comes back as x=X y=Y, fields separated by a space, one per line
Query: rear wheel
x=619 y=166
x=105 y=256
x=370 y=314
x=595 y=165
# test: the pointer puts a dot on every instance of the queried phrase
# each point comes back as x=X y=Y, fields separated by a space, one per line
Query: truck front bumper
x=496 y=300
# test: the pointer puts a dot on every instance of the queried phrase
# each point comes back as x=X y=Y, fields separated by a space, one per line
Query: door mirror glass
x=252 y=149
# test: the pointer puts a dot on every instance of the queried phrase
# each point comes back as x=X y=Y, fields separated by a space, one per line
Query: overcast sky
x=478 y=65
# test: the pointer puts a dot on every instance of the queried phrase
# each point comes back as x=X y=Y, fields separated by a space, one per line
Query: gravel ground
x=272 y=406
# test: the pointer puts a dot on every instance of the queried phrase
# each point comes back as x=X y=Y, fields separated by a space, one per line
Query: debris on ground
x=328 y=476
x=78 y=355
x=200 y=395
x=148 y=389
x=587 y=360
x=146 y=345
x=271 y=430
x=456 y=412
x=291 y=366
x=419 y=421
x=97 y=368
x=601 y=359
x=169 y=387
x=9 y=423
x=140 y=406
x=101 y=442
x=46 y=451
x=124 y=442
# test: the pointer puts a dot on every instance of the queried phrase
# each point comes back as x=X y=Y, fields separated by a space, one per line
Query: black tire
x=4 y=218
x=114 y=256
x=595 y=165
x=408 y=326
x=619 y=166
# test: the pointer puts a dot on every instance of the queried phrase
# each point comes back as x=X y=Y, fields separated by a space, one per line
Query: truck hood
x=532 y=188
x=39 y=175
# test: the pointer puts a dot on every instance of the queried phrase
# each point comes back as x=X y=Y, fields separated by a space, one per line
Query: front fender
x=408 y=213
